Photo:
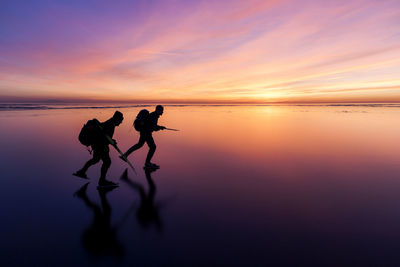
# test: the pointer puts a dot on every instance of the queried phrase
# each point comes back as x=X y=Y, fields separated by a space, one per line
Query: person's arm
x=159 y=127
x=154 y=122
x=105 y=129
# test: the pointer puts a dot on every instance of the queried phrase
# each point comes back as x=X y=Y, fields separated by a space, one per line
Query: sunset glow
x=194 y=51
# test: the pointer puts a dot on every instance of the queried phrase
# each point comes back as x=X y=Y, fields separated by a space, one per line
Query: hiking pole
x=176 y=130
x=111 y=141
x=125 y=217
x=120 y=152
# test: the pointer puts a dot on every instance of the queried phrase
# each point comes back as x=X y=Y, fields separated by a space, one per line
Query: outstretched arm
x=159 y=127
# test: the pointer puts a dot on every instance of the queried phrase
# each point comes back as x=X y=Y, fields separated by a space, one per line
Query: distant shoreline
x=58 y=106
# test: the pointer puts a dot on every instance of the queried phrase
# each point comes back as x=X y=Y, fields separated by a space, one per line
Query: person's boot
x=151 y=165
x=80 y=174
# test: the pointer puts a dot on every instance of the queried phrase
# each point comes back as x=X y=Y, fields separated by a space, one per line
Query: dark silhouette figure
x=148 y=212
x=100 y=238
x=146 y=136
x=101 y=150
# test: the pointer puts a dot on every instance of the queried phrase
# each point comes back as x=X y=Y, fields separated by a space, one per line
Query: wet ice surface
x=249 y=185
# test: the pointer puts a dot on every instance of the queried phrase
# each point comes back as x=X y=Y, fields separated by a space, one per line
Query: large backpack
x=140 y=121
x=89 y=132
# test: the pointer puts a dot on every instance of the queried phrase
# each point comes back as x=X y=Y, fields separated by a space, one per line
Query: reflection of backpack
x=89 y=132
x=140 y=121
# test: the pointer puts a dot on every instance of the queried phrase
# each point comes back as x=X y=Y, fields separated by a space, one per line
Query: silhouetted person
x=101 y=151
x=100 y=238
x=148 y=212
x=146 y=136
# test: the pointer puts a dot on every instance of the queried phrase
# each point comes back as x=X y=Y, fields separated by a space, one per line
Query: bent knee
x=94 y=160
x=152 y=147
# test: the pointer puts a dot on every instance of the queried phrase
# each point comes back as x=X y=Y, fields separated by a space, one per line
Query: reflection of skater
x=146 y=128
x=99 y=144
x=148 y=212
x=100 y=238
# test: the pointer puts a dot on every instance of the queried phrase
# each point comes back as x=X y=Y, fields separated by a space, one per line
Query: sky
x=200 y=51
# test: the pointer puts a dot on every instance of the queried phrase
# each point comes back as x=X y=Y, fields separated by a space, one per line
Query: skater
x=148 y=211
x=99 y=144
x=100 y=239
x=148 y=126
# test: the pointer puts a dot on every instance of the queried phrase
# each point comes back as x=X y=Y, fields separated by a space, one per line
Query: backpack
x=140 y=121
x=89 y=132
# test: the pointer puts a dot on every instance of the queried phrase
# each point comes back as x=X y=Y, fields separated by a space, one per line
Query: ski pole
x=171 y=129
x=122 y=154
x=111 y=141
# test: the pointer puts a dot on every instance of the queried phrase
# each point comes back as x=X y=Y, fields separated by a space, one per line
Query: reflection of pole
x=125 y=217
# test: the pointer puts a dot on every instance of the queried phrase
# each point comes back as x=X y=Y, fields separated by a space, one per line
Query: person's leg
x=139 y=144
x=152 y=148
x=105 y=157
x=95 y=159
x=89 y=163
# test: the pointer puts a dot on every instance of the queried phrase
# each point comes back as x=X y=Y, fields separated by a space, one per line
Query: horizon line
x=198 y=103
x=184 y=102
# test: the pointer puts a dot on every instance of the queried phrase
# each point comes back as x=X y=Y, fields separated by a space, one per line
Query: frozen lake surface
x=238 y=185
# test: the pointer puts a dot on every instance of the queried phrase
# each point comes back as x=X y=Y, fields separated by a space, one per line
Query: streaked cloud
x=253 y=50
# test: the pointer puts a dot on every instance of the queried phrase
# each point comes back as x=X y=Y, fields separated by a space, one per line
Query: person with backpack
x=98 y=136
x=146 y=123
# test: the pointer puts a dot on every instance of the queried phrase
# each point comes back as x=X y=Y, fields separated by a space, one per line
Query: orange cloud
x=241 y=50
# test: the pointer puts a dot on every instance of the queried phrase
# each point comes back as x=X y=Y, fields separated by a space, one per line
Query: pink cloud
x=215 y=49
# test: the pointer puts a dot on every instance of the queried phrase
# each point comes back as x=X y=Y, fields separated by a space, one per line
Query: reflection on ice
x=251 y=185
